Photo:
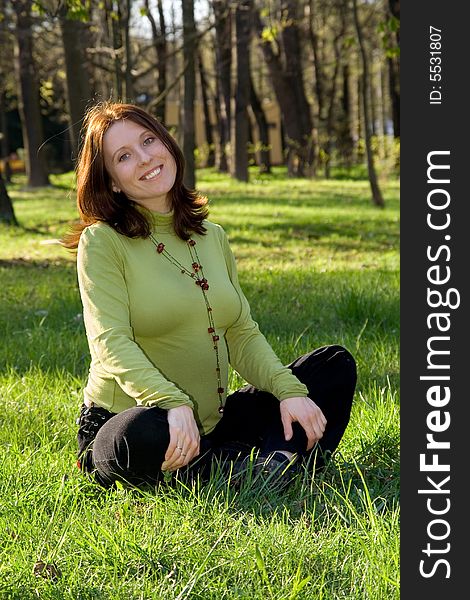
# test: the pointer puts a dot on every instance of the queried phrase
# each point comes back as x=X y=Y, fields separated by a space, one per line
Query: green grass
x=319 y=265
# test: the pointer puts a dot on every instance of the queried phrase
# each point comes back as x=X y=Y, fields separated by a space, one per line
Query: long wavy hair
x=96 y=200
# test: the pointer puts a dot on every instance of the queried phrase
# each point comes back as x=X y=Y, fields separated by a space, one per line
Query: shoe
x=275 y=469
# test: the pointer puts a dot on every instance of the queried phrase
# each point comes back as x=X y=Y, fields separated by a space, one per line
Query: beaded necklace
x=197 y=274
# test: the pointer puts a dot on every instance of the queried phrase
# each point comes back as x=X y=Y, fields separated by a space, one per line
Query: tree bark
x=240 y=123
x=394 y=87
x=377 y=198
x=29 y=96
x=128 y=79
x=223 y=61
x=7 y=214
x=5 y=142
x=210 y=162
x=317 y=64
x=78 y=88
x=189 y=51
x=263 y=130
x=160 y=43
x=394 y=71
x=330 y=121
x=345 y=124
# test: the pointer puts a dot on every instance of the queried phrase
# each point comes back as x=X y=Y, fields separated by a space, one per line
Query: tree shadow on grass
x=31 y=263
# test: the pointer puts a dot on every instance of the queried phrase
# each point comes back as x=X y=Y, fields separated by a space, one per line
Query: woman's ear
x=115 y=189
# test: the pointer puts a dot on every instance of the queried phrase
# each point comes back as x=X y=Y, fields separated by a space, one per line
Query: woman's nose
x=143 y=157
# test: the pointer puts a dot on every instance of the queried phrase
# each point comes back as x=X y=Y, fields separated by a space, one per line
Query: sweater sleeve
x=249 y=352
x=106 y=313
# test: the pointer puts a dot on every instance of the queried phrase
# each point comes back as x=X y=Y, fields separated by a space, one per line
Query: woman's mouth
x=152 y=174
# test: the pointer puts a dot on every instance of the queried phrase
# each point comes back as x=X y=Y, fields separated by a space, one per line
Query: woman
x=164 y=316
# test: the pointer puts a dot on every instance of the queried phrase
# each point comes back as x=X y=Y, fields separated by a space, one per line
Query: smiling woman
x=165 y=316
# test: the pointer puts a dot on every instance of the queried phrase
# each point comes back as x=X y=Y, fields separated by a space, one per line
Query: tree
x=29 y=95
x=78 y=90
x=263 y=129
x=7 y=214
x=283 y=58
x=160 y=43
x=377 y=198
x=189 y=52
x=207 y=118
x=393 y=60
x=240 y=124
x=223 y=62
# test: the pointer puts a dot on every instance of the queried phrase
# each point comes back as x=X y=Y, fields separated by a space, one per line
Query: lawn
x=320 y=265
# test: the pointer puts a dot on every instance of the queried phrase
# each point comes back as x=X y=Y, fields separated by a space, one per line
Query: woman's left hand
x=304 y=411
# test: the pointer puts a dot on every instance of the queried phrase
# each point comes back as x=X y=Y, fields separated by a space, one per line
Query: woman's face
x=139 y=164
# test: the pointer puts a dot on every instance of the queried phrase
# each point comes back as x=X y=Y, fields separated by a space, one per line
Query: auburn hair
x=96 y=200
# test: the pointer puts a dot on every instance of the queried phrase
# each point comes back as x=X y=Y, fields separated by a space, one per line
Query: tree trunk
x=394 y=94
x=159 y=40
x=210 y=162
x=7 y=214
x=4 y=138
x=78 y=89
x=394 y=72
x=29 y=96
x=317 y=64
x=346 y=125
x=372 y=97
x=128 y=79
x=113 y=18
x=377 y=198
x=189 y=51
x=331 y=105
x=263 y=130
x=240 y=123
x=223 y=61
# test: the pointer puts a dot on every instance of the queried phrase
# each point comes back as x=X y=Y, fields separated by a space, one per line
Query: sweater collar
x=159 y=221
x=162 y=222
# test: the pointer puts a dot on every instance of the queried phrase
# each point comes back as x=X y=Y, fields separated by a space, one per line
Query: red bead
x=160 y=248
x=205 y=286
x=195 y=266
x=220 y=390
x=211 y=330
x=215 y=338
x=191 y=242
x=198 y=282
x=79 y=465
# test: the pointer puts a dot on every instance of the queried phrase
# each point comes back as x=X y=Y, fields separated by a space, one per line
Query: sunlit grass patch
x=319 y=265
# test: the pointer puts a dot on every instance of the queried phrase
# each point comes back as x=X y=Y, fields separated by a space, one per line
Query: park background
x=288 y=115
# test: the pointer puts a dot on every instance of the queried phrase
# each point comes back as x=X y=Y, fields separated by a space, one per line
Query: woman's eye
x=123 y=157
x=148 y=141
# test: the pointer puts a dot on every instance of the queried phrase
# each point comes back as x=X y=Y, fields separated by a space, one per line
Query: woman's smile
x=152 y=174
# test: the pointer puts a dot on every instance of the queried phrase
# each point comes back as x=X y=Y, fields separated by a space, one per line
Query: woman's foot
x=276 y=469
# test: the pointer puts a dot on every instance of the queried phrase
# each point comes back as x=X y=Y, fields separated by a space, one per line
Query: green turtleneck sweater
x=147 y=324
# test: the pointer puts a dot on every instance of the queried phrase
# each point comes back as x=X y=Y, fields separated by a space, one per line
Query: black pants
x=131 y=445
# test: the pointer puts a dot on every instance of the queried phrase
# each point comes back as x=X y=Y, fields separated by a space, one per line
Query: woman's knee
x=345 y=359
x=132 y=445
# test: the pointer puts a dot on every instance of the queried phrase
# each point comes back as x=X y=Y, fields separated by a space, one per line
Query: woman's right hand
x=184 y=438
